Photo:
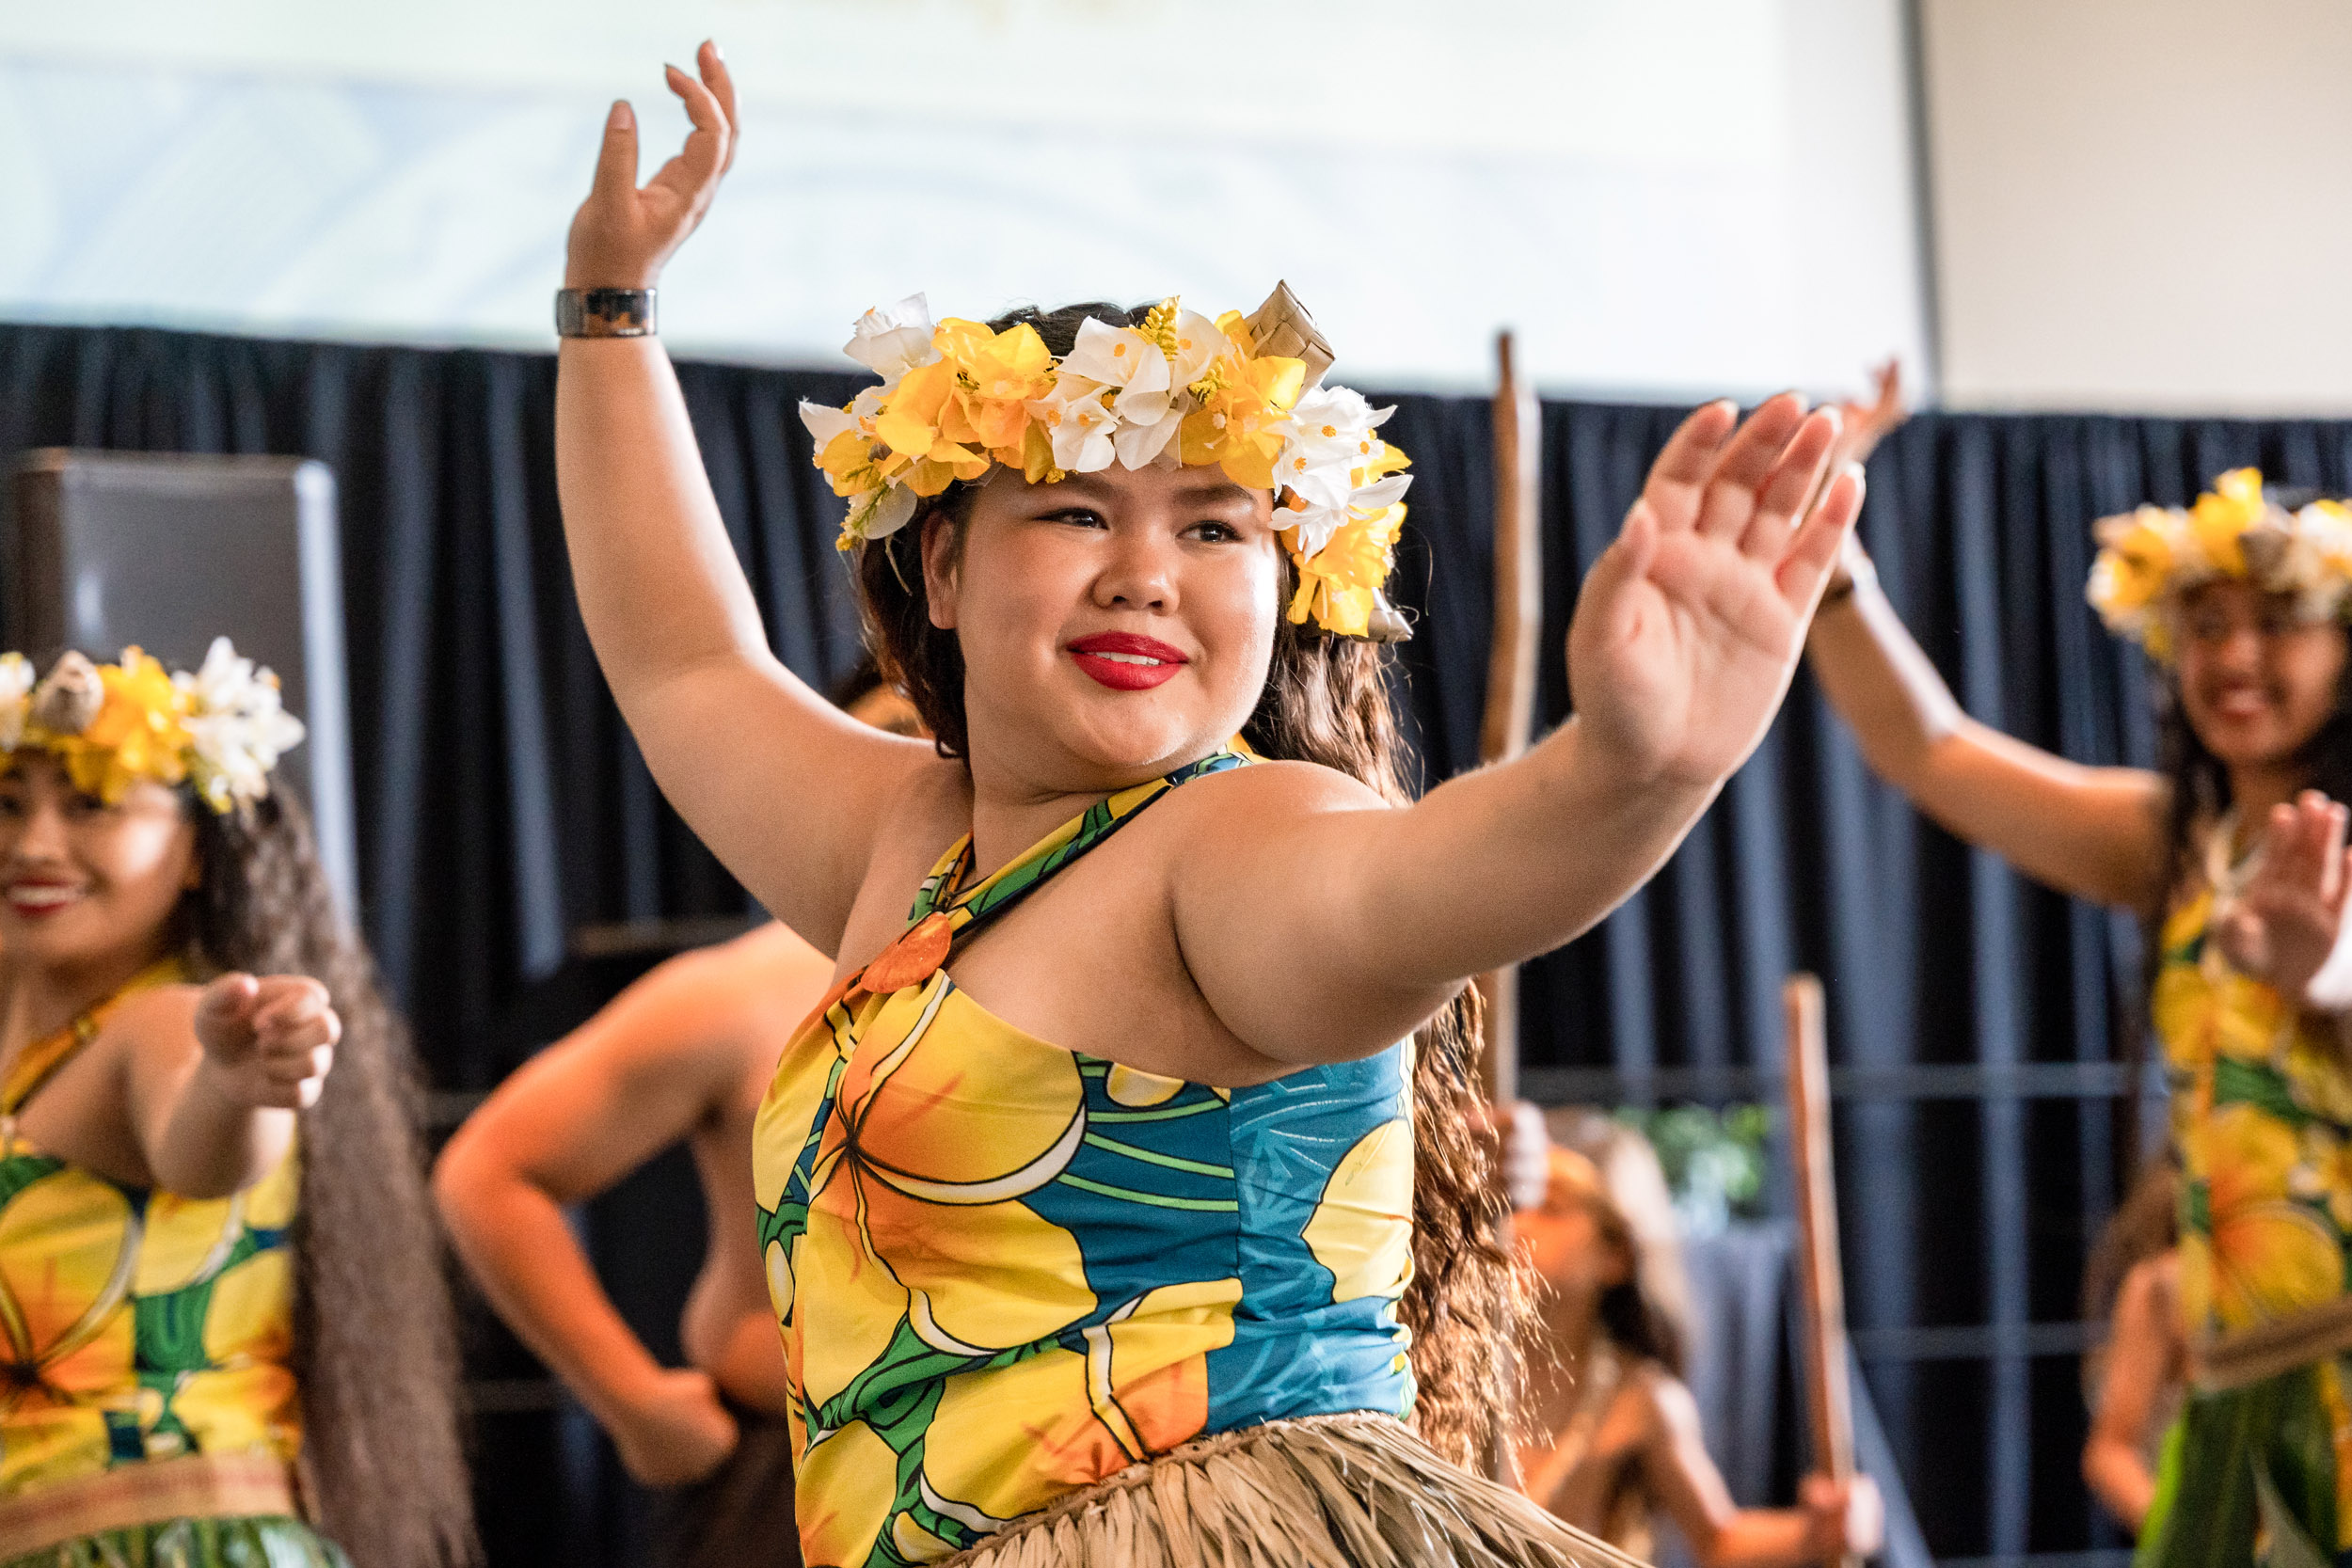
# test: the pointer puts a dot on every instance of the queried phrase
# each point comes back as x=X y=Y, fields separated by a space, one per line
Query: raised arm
x=642 y=1074
x=785 y=790
x=1319 y=925
x=214 y=1077
x=2095 y=833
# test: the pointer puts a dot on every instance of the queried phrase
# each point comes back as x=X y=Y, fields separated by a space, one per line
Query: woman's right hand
x=675 y=1432
x=622 y=234
x=1842 y=1518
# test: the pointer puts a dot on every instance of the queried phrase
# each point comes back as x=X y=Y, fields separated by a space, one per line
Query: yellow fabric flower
x=1239 y=425
x=136 y=735
x=2266 y=1256
x=1340 y=584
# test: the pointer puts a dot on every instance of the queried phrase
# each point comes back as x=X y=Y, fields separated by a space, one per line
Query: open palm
x=1690 y=626
x=622 y=232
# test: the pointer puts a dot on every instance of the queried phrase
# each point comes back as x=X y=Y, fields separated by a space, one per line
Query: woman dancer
x=222 y=1301
x=2235 y=854
x=1143 y=1290
x=1620 y=1433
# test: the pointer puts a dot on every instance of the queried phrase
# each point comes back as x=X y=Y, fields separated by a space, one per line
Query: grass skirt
x=269 y=1542
x=2256 y=1475
x=1355 y=1491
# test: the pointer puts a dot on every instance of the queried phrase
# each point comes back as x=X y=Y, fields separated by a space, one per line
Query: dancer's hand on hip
x=2286 y=924
x=1690 y=626
x=676 y=1431
x=622 y=234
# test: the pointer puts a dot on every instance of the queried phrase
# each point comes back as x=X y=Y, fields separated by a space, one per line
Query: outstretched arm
x=1834 y=1520
x=216 y=1076
x=1318 y=925
x=2095 y=833
x=665 y=1057
x=739 y=745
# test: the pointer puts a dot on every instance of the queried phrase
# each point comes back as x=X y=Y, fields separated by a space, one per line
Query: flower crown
x=1243 y=393
x=2150 y=557
x=223 y=727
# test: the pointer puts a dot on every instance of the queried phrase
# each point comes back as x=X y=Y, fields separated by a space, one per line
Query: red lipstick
x=1127 y=661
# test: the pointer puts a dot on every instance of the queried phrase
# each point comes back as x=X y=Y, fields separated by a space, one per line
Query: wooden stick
x=1509 y=719
x=1828 y=1393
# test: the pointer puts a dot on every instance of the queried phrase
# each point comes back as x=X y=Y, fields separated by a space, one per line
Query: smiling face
x=1114 y=625
x=2257 y=681
x=83 y=883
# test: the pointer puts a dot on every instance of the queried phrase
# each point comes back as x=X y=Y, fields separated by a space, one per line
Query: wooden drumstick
x=1509 y=719
x=1828 y=1393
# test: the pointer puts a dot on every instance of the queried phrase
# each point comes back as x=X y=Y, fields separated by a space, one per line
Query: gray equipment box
x=169 y=551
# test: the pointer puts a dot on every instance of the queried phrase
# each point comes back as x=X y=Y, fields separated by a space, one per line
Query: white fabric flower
x=882 y=512
x=16 y=698
x=1079 y=426
x=825 y=423
x=237 y=724
x=1330 y=438
x=892 y=342
x=1331 y=444
x=1123 y=357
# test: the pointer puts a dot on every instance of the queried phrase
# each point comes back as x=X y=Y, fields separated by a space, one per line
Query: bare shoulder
x=1268 y=796
x=159 y=1022
x=1666 y=1400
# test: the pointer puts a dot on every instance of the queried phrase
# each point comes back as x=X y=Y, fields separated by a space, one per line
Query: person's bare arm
x=739 y=745
x=213 y=1078
x=2095 y=833
x=1683 y=1481
x=664 y=1056
x=2141 y=1352
x=1320 y=924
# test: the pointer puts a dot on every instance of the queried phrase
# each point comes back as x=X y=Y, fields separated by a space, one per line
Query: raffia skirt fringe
x=1356 y=1491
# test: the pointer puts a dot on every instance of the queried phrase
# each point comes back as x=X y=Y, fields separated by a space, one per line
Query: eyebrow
x=1205 y=489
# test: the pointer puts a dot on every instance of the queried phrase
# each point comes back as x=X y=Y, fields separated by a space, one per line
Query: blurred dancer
x=227 y=1341
x=1620 y=1440
x=682 y=1055
x=2234 y=855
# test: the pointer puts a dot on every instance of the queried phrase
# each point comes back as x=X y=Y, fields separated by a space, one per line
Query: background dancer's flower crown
x=1244 y=394
x=2150 y=559
x=223 y=726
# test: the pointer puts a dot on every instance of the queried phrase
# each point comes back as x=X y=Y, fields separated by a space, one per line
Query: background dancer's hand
x=676 y=1432
x=622 y=234
x=2282 y=928
x=269 y=1042
x=1690 y=626
x=1843 y=1519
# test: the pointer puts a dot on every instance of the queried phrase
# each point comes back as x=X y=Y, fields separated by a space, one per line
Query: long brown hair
x=376 y=1346
x=1326 y=702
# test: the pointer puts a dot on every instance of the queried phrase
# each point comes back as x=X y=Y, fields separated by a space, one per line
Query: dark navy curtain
x=1976 y=1020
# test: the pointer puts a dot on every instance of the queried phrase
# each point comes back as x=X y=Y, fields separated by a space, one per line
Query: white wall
x=2143 y=204
x=1663 y=196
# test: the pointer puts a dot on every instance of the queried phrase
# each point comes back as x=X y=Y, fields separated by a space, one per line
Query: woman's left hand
x=1690 y=626
x=2285 y=924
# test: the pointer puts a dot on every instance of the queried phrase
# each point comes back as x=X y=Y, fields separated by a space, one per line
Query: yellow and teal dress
x=148 y=1410
x=1008 y=1272
x=2259 y=1465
